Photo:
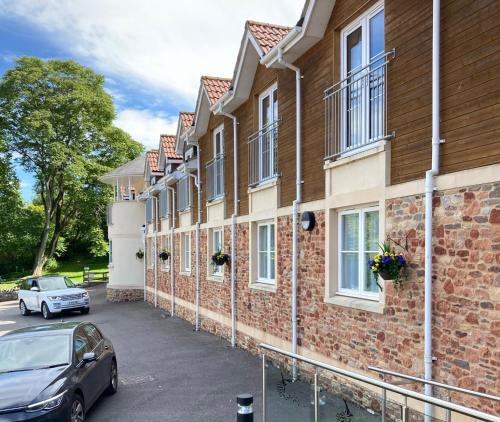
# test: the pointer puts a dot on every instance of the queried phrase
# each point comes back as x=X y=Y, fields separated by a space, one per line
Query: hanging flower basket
x=164 y=255
x=139 y=254
x=389 y=265
x=220 y=258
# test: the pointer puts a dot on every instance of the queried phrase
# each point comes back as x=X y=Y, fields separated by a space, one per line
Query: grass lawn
x=72 y=268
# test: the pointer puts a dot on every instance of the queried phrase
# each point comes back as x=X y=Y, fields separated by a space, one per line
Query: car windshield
x=54 y=283
x=26 y=353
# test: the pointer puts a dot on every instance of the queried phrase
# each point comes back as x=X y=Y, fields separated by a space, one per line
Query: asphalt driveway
x=167 y=372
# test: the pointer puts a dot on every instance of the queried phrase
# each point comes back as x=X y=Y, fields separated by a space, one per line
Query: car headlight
x=54 y=297
x=48 y=404
x=85 y=294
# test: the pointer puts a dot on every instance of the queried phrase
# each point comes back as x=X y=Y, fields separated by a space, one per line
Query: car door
x=35 y=297
x=29 y=296
x=103 y=354
x=87 y=375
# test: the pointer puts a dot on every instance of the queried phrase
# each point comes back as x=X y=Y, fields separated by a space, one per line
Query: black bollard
x=245 y=408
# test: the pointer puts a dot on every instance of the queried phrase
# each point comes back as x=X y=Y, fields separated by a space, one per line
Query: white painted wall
x=126 y=271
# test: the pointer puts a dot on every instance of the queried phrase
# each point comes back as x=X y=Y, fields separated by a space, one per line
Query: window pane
x=377 y=35
x=350 y=229
x=266 y=111
x=275 y=105
x=350 y=269
x=369 y=284
x=271 y=237
x=262 y=238
x=371 y=231
x=262 y=265
x=272 y=269
x=354 y=50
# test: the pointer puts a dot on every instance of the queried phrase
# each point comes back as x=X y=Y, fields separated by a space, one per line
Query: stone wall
x=466 y=298
x=124 y=295
x=8 y=294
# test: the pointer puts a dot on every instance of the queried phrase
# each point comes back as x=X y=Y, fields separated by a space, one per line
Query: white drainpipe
x=155 y=256
x=429 y=190
x=144 y=232
x=197 y=184
x=172 y=255
x=298 y=196
x=233 y=224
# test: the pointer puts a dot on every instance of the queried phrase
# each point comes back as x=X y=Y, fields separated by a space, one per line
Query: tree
x=56 y=117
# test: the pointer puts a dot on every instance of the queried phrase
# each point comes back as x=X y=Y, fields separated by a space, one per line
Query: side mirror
x=35 y=289
x=87 y=358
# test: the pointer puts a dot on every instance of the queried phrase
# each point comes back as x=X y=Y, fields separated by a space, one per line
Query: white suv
x=50 y=295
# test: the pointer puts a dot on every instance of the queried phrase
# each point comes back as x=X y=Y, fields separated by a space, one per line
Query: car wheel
x=23 y=309
x=46 y=311
x=77 y=410
x=113 y=380
x=85 y=311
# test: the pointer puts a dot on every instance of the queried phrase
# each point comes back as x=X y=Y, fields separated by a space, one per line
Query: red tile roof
x=216 y=87
x=187 y=118
x=152 y=157
x=266 y=34
x=168 y=144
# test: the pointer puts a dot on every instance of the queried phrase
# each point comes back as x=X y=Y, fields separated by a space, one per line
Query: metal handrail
x=263 y=153
x=457 y=408
x=435 y=383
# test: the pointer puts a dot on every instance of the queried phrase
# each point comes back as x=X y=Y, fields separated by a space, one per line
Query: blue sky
x=151 y=53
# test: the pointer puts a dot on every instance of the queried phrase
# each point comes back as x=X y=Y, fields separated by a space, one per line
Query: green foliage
x=56 y=117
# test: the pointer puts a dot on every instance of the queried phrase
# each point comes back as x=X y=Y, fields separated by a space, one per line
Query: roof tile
x=168 y=144
x=215 y=87
x=266 y=34
x=187 y=118
x=152 y=157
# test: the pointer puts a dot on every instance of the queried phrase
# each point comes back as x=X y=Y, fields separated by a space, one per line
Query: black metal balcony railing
x=263 y=154
x=215 y=178
x=356 y=108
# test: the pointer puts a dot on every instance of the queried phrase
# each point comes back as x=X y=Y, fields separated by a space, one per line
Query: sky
x=152 y=52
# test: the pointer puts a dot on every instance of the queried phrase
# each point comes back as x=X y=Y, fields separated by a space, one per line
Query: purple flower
x=401 y=260
x=371 y=262
x=386 y=260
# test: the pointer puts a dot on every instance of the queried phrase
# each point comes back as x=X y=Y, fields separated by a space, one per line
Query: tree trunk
x=40 y=257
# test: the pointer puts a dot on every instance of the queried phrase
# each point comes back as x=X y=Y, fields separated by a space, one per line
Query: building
x=332 y=121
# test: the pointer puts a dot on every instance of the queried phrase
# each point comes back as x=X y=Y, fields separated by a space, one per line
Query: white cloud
x=163 y=45
x=145 y=126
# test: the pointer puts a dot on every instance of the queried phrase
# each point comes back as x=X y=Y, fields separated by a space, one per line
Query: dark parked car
x=54 y=372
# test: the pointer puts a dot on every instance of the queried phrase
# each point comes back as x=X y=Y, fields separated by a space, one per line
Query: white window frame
x=218 y=130
x=216 y=270
x=185 y=252
x=269 y=224
x=110 y=253
x=268 y=92
x=362 y=21
x=362 y=268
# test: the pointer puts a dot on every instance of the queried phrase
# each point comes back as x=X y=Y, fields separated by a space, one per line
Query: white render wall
x=126 y=271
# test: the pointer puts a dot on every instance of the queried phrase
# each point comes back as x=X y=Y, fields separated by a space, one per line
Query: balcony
x=263 y=154
x=356 y=109
x=215 y=178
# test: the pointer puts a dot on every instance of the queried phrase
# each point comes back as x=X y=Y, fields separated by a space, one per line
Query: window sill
x=165 y=270
x=357 y=303
x=216 y=278
x=266 y=287
x=216 y=201
x=266 y=184
x=185 y=273
x=358 y=154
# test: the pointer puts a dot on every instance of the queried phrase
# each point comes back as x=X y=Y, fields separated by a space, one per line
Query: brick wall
x=466 y=302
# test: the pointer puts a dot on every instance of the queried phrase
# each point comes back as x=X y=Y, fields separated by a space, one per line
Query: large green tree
x=56 y=118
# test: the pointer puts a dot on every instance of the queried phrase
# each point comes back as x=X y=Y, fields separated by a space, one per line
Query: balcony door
x=268 y=116
x=363 y=74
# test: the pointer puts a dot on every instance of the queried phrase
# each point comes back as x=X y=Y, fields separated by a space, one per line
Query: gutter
x=429 y=191
x=298 y=197
x=233 y=221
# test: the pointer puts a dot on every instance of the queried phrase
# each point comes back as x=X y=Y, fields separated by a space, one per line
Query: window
x=183 y=194
x=219 y=141
x=149 y=211
x=93 y=335
x=81 y=344
x=363 y=71
x=186 y=252
x=268 y=117
x=217 y=245
x=266 y=253
x=163 y=203
x=358 y=242
x=110 y=252
x=215 y=167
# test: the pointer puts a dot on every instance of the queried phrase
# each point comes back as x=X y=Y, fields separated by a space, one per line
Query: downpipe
x=298 y=198
x=429 y=193
x=172 y=255
x=144 y=230
x=198 y=284
x=233 y=223
x=155 y=222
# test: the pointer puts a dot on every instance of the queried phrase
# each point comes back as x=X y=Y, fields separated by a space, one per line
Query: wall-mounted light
x=308 y=220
